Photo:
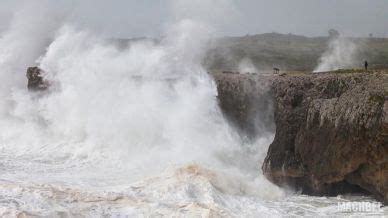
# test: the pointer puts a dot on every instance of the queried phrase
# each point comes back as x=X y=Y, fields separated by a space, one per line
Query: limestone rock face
x=331 y=134
x=35 y=79
x=246 y=101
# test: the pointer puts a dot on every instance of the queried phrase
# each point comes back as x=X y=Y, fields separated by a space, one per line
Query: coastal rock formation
x=331 y=128
x=331 y=135
x=246 y=101
x=35 y=79
x=331 y=132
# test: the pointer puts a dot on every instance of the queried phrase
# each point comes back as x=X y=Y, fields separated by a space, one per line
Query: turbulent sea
x=133 y=131
x=67 y=188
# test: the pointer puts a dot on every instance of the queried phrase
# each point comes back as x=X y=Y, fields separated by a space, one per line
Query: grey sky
x=132 y=18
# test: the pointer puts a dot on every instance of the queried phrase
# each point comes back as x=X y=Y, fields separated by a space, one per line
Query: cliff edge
x=331 y=132
x=331 y=129
x=331 y=135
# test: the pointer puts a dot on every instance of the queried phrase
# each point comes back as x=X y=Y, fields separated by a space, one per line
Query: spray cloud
x=246 y=66
x=152 y=104
x=341 y=53
x=117 y=116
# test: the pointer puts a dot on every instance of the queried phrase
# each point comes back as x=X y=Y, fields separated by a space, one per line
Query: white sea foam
x=123 y=131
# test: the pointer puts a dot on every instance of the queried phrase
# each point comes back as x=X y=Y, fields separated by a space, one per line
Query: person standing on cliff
x=366 y=66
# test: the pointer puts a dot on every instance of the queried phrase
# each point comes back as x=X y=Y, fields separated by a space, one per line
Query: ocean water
x=30 y=188
x=132 y=131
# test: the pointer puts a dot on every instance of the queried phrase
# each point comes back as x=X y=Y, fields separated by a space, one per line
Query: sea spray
x=341 y=53
x=140 y=123
x=139 y=110
x=246 y=66
x=123 y=132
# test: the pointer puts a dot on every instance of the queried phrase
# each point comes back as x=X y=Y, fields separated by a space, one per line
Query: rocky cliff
x=331 y=130
x=247 y=102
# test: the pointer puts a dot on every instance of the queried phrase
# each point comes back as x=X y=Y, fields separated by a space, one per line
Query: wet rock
x=35 y=78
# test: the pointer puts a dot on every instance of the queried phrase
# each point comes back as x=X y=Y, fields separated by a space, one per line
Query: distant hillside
x=287 y=52
x=284 y=51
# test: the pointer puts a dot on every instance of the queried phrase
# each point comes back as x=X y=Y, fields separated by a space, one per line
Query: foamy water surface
x=132 y=131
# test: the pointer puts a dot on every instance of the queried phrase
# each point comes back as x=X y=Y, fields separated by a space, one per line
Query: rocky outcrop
x=331 y=128
x=246 y=101
x=331 y=134
x=35 y=79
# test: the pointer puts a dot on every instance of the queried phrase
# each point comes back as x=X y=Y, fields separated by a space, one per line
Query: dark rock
x=35 y=79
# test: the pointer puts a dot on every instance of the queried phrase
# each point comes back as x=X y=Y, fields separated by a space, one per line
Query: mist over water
x=150 y=99
x=124 y=131
x=115 y=117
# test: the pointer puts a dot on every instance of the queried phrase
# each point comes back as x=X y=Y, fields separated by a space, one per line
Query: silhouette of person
x=366 y=65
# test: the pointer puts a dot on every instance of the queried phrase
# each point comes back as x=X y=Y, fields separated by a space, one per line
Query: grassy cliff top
x=288 y=52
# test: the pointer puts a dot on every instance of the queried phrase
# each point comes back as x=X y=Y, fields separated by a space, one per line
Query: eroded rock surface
x=331 y=128
x=247 y=102
x=331 y=135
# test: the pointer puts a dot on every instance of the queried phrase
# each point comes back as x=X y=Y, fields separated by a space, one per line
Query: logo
x=360 y=207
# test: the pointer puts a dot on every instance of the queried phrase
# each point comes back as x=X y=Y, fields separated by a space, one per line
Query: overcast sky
x=134 y=18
